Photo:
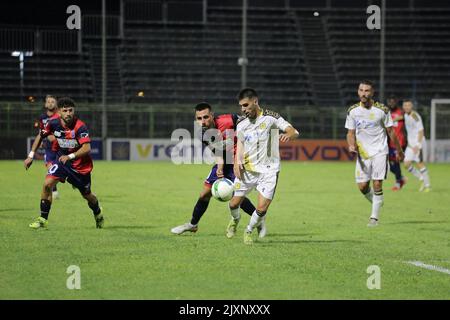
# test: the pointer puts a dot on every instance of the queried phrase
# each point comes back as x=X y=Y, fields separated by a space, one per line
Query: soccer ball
x=222 y=189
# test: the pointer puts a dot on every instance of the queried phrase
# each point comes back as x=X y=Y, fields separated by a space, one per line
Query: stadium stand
x=188 y=63
x=417 y=47
x=114 y=84
x=295 y=58
x=55 y=73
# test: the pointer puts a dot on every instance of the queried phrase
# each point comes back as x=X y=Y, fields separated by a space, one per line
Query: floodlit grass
x=318 y=245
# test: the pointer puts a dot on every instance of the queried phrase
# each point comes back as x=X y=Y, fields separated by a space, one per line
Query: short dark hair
x=66 y=102
x=392 y=96
x=247 y=93
x=368 y=83
x=408 y=100
x=202 y=106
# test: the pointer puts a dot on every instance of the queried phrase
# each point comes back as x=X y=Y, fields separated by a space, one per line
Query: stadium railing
x=159 y=120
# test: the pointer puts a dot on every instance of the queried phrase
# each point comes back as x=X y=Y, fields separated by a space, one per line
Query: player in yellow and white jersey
x=368 y=123
x=416 y=145
x=257 y=160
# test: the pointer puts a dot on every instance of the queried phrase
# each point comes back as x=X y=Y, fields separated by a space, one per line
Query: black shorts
x=63 y=172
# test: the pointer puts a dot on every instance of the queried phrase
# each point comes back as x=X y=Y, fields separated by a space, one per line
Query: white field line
x=420 y=264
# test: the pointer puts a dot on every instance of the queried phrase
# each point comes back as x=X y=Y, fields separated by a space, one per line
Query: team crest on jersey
x=237 y=186
x=372 y=116
x=262 y=126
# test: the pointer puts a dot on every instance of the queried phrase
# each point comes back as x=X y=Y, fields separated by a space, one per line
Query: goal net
x=439 y=150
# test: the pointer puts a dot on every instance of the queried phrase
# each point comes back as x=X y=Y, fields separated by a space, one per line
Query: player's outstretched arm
x=83 y=151
x=29 y=160
x=393 y=136
x=289 y=134
x=351 y=141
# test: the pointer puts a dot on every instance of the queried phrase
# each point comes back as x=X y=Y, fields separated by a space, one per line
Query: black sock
x=54 y=188
x=45 y=208
x=95 y=208
x=199 y=210
x=395 y=169
x=248 y=206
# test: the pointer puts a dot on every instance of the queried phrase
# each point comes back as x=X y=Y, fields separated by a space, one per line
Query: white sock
x=377 y=204
x=415 y=172
x=254 y=221
x=426 y=177
x=263 y=219
x=369 y=195
x=235 y=213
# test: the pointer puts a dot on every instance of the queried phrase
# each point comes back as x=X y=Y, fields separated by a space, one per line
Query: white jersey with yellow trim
x=260 y=138
x=414 y=125
x=370 y=124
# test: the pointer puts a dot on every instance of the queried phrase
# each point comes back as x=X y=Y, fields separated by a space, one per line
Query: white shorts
x=375 y=168
x=410 y=156
x=265 y=184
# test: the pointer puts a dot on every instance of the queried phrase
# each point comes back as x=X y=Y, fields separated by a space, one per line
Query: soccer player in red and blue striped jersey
x=49 y=144
x=73 y=163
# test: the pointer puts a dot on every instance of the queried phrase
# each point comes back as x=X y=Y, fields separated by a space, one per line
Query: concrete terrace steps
x=317 y=55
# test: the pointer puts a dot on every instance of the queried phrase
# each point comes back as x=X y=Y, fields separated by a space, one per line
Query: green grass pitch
x=318 y=245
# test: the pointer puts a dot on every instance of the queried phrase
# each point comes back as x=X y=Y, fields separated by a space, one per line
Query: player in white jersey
x=368 y=122
x=257 y=160
x=416 y=145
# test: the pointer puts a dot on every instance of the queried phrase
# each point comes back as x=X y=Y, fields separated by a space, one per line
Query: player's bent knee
x=364 y=187
x=49 y=183
x=235 y=202
x=377 y=185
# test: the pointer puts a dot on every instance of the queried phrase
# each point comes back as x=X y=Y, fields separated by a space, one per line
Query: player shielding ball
x=368 y=123
x=226 y=125
x=73 y=164
x=257 y=161
x=416 y=145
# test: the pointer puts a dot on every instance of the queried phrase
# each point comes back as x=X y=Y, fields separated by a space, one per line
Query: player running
x=416 y=145
x=257 y=160
x=367 y=123
x=49 y=143
x=399 y=130
x=226 y=124
x=73 y=161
